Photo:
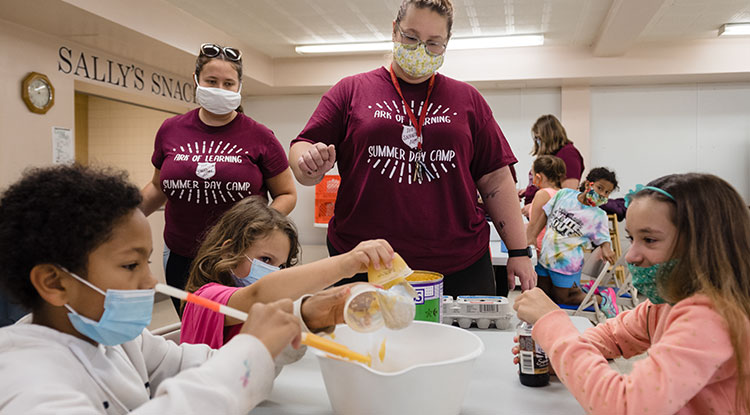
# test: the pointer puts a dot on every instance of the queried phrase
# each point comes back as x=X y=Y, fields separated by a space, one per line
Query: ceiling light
x=344 y=47
x=735 y=29
x=454 y=44
x=496 y=42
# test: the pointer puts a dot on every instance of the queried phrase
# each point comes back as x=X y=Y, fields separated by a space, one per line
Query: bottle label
x=533 y=359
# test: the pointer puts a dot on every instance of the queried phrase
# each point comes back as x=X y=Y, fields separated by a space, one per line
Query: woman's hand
x=274 y=325
x=531 y=305
x=325 y=309
x=317 y=161
x=377 y=252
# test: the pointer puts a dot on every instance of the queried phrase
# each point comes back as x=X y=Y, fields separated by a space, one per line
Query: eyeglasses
x=432 y=47
x=212 y=51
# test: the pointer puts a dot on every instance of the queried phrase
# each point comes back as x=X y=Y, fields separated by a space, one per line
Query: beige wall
x=25 y=137
x=122 y=135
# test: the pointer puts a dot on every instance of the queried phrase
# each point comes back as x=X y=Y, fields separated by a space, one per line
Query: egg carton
x=483 y=311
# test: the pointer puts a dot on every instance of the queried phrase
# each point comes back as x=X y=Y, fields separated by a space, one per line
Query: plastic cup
x=369 y=308
x=362 y=309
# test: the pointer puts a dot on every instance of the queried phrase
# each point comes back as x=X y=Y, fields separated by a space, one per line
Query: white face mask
x=216 y=100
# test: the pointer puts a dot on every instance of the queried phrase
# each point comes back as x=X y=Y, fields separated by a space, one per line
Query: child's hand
x=325 y=309
x=378 y=252
x=609 y=254
x=531 y=305
x=526 y=210
x=274 y=325
x=515 y=351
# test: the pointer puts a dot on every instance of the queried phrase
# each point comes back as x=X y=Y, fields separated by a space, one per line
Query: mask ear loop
x=93 y=287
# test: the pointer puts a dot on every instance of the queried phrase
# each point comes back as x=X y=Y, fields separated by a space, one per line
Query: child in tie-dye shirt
x=573 y=221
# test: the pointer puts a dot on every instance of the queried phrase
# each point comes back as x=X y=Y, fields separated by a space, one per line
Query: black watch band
x=520 y=252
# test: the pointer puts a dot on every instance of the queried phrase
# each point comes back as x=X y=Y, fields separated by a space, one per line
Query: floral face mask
x=592 y=198
x=645 y=279
x=416 y=62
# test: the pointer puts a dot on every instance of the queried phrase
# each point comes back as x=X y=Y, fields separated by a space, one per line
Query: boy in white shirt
x=74 y=249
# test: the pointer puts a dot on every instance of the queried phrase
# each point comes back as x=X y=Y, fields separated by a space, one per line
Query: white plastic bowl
x=426 y=370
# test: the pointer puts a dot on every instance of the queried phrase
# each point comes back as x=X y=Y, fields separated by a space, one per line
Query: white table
x=494 y=387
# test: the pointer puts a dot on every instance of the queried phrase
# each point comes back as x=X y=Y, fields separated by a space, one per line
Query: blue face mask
x=126 y=314
x=258 y=269
x=645 y=278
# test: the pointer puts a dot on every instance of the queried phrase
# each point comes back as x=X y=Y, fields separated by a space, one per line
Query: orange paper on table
x=325 y=198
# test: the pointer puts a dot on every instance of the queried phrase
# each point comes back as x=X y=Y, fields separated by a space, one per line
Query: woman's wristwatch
x=520 y=252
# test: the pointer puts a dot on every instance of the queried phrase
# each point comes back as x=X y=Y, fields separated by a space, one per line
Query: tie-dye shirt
x=571 y=225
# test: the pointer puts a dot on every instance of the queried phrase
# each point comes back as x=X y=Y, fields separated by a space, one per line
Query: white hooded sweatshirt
x=45 y=371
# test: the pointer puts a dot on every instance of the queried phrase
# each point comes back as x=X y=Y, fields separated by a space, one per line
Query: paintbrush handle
x=332 y=347
x=203 y=302
x=308 y=339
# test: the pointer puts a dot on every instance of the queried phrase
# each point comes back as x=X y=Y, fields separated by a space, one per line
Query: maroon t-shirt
x=435 y=225
x=205 y=170
x=573 y=169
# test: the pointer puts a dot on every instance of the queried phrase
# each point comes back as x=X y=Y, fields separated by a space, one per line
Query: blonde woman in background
x=550 y=138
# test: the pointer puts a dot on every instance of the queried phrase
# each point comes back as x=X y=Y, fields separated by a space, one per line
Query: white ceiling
x=273 y=27
x=656 y=41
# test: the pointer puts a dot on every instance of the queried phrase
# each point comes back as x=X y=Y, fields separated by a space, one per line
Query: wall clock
x=37 y=92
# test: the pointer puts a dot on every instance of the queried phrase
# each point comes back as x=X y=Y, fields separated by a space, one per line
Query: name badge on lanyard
x=413 y=133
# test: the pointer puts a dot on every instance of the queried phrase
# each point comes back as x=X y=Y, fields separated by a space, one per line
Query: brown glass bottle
x=532 y=361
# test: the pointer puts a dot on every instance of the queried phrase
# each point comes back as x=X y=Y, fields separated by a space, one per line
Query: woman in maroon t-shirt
x=210 y=158
x=412 y=147
x=550 y=138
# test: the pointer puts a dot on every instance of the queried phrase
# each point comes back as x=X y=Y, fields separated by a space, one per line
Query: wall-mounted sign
x=110 y=71
x=63 y=147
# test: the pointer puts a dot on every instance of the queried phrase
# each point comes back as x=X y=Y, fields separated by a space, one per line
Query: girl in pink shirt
x=690 y=241
x=251 y=240
x=547 y=174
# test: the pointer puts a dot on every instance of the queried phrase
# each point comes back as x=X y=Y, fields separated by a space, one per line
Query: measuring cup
x=369 y=308
x=388 y=277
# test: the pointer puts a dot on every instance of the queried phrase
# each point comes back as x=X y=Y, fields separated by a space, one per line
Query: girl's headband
x=639 y=188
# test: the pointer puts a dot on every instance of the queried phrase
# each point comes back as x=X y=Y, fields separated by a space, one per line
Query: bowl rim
x=470 y=356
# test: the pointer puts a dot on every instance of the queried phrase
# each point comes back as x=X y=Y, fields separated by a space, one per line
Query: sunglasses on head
x=212 y=51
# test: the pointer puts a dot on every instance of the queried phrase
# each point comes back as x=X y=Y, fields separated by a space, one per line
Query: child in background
x=547 y=174
x=74 y=249
x=574 y=220
x=690 y=238
x=249 y=241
